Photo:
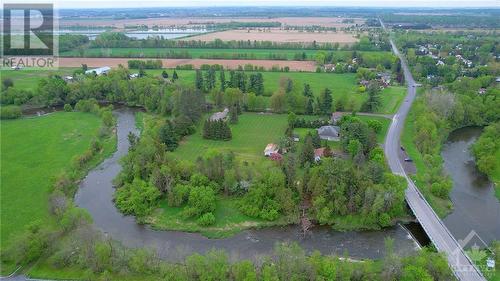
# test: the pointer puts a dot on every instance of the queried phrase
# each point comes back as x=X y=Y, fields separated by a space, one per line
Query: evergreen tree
x=316 y=140
x=307 y=90
x=211 y=78
x=168 y=137
x=164 y=74
x=222 y=80
x=206 y=129
x=233 y=114
x=309 y=106
x=326 y=102
x=199 y=80
x=307 y=154
x=373 y=101
x=175 y=76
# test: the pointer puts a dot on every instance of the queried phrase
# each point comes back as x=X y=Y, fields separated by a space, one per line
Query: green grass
x=33 y=152
x=228 y=219
x=195 y=53
x=250 y=136
x=386 y=122
x=27 y=79
x=391 y=99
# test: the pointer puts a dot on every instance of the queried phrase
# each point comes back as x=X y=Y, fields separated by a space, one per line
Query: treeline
x=458 y=20
x=216 y=130
x=486 y=150
x=238 y=24
x=145 y=64
x=377 y=42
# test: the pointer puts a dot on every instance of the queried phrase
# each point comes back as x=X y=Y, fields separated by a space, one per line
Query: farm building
x=331 y=133
x=270 y=149
x=99 y=71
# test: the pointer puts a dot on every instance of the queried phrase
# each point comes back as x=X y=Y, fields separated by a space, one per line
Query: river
x=96 y=193
x=476 y=209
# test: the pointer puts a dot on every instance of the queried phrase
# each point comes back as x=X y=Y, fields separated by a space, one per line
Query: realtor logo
x=478 y=253
x=28 y=35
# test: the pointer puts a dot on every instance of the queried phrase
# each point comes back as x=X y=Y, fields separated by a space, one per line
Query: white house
x=99 y=71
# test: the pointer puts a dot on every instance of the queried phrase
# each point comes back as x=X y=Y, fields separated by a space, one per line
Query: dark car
x=408 y=160
x=402 y=148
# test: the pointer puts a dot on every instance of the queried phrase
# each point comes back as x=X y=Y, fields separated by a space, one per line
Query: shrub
x=68 y=107
x=10 y=112
x=206 y=219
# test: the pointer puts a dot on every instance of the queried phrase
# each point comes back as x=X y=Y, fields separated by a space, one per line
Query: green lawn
x=33 y=152
x=391 y=99
x=250 y=136
x=28 y=79
x=228 y=219
x=386 y=122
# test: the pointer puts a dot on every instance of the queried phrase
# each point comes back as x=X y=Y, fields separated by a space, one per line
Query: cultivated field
x=172 y=63
x=33 y=152
x=278 y=35
x=292 y=21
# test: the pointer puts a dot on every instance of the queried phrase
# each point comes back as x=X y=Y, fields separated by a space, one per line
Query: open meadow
x=250 y=136
x=33 y=152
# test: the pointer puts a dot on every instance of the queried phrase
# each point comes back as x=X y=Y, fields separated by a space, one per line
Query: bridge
x=461 y=265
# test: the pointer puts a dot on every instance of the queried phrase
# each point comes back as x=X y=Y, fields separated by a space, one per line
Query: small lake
x=96 y=194
x=475 y=206
x=171 y=33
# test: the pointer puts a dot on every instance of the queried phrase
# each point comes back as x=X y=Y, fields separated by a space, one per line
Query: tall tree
x=326 y=102
x=307 y=91
x=199 y=80
x=307 y=154
x=374 y=100
x=210 y=78
x=222 y=80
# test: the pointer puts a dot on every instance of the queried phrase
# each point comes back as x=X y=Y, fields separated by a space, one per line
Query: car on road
x=408 y=160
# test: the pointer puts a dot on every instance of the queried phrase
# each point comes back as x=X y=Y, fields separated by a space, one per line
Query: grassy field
x=228 y=219
x=391 y=99
x=288 y=54
x=33 y=152
x=250 y=136
x=27 y=79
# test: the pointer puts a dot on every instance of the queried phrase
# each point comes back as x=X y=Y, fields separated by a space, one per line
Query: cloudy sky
x=212 y=3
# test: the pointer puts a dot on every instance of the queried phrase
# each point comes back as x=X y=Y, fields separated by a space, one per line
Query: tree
x=326 y=102
x=201 y=201
x=278 y=102
x=199 y=80
x=210 y=78
x=222 y=80
x=316 y=140
x=168 y=137
x=7 y=83
x=164 y=74
x=307 y=91
x=175 y=76
x=307 y=154
x=374 y=100
x=233 y=114
x=309 y=106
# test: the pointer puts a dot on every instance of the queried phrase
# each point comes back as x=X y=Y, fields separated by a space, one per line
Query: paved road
x=443 y=240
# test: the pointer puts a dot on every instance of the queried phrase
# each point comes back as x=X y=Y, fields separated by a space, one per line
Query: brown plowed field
x=278 y=35
x=293 y=21
x=171 y=63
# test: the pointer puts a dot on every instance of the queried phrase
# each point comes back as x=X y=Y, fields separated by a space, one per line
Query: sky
x=219 y=3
